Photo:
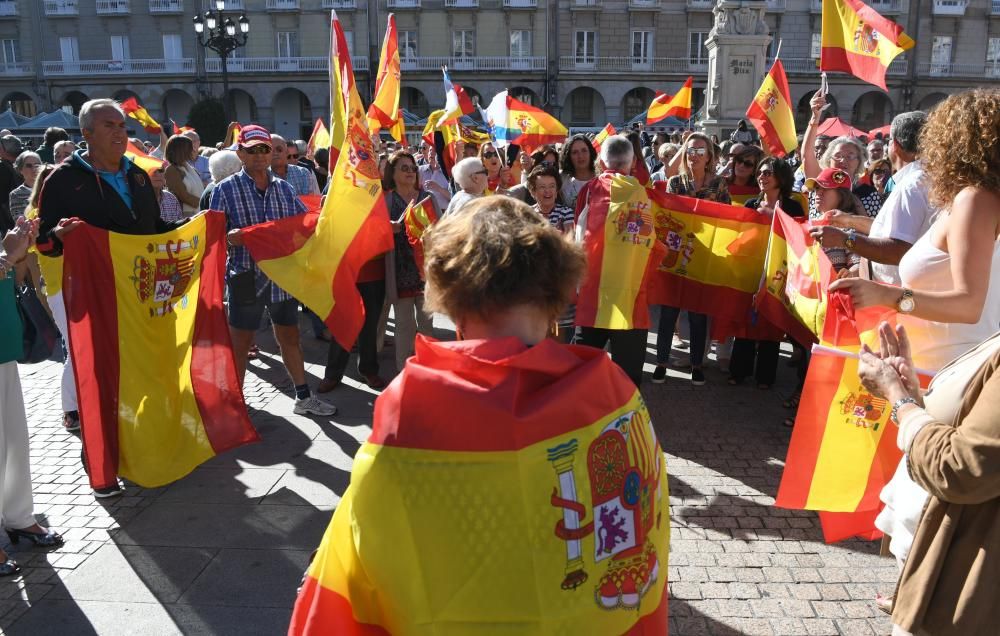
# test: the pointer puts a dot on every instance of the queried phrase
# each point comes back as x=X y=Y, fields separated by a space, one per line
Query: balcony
x=14 y=69
x=340 y=5
x=461 y=4
x=279 y=64
x=937 y=69
x=182 y=66
x=950 y=7
x=585 y=5
x=8 y=8
x=403 y=4
x=166 y=6
x=776 y=5
x=810 y=65
x=61 y=8
x=231 y=5
x=626 y=64
x=700 y=5
x=527 y=4
x=495 y=64
x=282 y=5
x=887 y=7
x=995 y=7
x=644 y=5
x=112 y=7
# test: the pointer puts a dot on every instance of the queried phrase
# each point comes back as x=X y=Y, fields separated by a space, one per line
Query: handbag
x=39 y=331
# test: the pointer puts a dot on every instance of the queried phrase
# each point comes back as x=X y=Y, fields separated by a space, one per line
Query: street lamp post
x=219 y=33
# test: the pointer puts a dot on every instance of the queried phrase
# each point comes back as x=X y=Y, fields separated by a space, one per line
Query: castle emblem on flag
x=623 y=468
x=864 y=410
x=866 y=39
x=634 y=224
x=770 y=100
x=165 y=276
x=670 y=230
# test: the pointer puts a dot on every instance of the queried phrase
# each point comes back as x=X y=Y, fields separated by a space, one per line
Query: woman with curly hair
x=950 y=297
x=578 y=166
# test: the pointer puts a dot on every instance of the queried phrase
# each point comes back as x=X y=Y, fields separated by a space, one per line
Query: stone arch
x=635 y=102
x=871 y=110
x=930 y=101
x=244 y=105
x=74 y=99
x=21 y=103
x=584 y=106
x=177 y=105
x=475 y=96
x=526 y=95
x=414 y=101
x=123 y=94
x=803 y=113
x=292 y=114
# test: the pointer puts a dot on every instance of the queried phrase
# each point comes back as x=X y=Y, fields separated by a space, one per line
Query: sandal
x=46 y=539
x=885 y=603
x=793 y=401
x=253 y=352
x=9 y=567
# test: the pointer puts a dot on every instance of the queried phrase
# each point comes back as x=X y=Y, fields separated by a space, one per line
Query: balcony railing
x=625 y=64
x=461 y=4
x=810 y=65
x=279 y=64
x=112 y=7
x=8 y=8
x=58 y=8
x=935 y=69
x=585 y=4
x=15 y=68
x=231 y=5
x=181 y=66
x=995 y=7
x=282 y=5
x=950 y=7
x=776 y=5
x=644 y=5
x=887 y=6
x=403 y=4
x=523 y=4
x=341 y=5
x=473 y=63
x=700 y=5
x=166 y=6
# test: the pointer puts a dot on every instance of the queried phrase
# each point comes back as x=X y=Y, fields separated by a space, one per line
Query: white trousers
x=16 y=506
x=68 y=380
x=410 y=318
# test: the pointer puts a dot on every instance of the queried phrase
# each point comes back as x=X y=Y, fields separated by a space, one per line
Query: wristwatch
x=906 y=304
x=898 y=404
x=852 y=239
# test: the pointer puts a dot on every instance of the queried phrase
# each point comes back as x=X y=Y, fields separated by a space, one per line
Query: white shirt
x=905 y=216
x=437 y=176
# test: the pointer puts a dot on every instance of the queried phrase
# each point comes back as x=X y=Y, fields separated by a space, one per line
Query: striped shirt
x=244 y=206
x=559 y=216
x=302 y=180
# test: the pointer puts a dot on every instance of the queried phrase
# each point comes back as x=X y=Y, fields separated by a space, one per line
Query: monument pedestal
x=737 y=63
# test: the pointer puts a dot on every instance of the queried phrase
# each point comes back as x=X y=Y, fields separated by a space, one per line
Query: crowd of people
x=910 y=222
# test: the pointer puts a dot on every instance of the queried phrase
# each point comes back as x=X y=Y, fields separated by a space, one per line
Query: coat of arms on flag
x=164 y=276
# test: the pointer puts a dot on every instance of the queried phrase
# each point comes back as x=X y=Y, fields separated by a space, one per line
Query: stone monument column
x=737 y=62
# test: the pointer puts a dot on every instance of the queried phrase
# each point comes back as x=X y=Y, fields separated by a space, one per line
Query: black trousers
x=372 y=295
x=628 y=347
x=758 y=358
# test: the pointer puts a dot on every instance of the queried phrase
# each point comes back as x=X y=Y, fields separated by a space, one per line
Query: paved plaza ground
x=222 y=550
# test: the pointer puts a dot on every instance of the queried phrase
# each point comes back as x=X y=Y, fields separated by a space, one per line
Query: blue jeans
x=697 y=323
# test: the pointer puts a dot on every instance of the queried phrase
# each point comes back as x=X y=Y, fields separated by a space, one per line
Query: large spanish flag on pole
x=154 y=365
x=141 y=115
x=664 y=105
x=859 y=41
x=715 y=254
x=771 y=112
x=548 y=520
x=384 y=110
x=793 y=291
x=314 y=258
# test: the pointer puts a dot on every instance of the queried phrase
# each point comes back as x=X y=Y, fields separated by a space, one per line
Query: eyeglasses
x=747 y=163
x=405 y=167
x=290 y=157
x=481 y=172
x=764 y=174
x=845 y=158
x=547 y=164
x=258 y=150
x=701 y=152
x=490 y=155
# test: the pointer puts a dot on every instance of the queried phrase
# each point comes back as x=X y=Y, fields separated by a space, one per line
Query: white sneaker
x=312 y=405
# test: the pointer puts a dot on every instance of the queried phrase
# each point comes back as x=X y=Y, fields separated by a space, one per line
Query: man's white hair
x=88 y=108
x=223 y=164
x=465 y=169
x=617 y=153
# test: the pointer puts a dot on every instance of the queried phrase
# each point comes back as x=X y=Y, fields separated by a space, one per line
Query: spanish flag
x=320 y=137
x=417 y=219
x=232 y=135
x=664 y=106
x=859 y=41
x=316 y=258
x=623 y=253
x=384 y=110
x=793 y=291
x=548 y=520
x=141 y=115
x=445 y=137
x=715 y=253
x=154 y=365
x=599 y=138
x=341 y=77
x=142 y=159
x=514 y=122
x=771 y=112
x=179 y=130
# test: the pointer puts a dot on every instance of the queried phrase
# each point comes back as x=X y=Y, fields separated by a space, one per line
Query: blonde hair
x=684 y=168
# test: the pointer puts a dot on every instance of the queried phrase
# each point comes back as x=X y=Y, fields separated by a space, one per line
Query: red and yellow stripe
x=664 y=106
x=771 y=112
x=857 y=40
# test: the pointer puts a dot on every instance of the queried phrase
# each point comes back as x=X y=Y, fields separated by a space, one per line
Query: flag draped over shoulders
x=504 y=489
x=150 y=346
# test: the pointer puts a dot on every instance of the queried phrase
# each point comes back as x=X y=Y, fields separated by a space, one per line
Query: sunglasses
x=881 y=171
x=765 y=173
x=747 y=163
x=407 y=168
x=701 y=152
x=490 y=155
x=258 y=150
x=293 y=156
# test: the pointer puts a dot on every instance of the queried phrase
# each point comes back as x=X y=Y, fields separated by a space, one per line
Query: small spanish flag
x=142 y=159
x=320 y=137
x=416 y=220
x=859 y=41
x=771 y=112
x=599 y=138
x=678 y=106
x=141 y=115
x=180 y=130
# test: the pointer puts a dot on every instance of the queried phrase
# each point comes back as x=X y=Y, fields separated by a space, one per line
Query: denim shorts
x=248 y=317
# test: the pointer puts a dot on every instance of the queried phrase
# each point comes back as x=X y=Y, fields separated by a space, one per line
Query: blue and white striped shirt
x=244 y=206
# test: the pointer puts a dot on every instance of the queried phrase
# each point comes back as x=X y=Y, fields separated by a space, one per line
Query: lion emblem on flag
x=165 y=276
x=866 y=39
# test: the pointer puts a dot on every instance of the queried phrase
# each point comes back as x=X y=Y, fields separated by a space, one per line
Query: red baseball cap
x=831 y=179
x=254 y=135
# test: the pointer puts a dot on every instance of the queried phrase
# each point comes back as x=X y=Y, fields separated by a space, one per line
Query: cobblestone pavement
x=222 y=550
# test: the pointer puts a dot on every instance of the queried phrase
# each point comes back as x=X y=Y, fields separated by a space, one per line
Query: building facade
x=586 y=61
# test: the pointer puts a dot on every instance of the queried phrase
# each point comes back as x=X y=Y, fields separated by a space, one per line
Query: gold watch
x=906 y=304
